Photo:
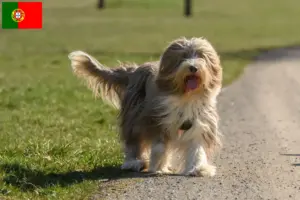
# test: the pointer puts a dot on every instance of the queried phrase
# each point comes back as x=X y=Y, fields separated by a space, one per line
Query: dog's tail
x=108 y=83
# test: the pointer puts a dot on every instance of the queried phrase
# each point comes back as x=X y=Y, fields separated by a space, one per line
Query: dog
x=168 y=108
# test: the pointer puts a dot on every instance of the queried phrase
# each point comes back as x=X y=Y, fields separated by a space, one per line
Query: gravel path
x=260 y=116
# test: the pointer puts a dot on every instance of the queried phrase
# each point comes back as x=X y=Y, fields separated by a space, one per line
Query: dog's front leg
x=132 y=161
x=159 y=159
x=196 y=162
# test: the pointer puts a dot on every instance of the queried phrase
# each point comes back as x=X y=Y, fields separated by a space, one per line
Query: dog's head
x=189 y=66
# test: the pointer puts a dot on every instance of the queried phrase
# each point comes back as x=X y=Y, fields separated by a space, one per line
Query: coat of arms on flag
x=22 y=15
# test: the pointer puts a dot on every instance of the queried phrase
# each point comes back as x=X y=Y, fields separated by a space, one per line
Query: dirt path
x=260 y=116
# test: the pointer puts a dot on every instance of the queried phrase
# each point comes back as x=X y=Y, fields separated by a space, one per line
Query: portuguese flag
x=22 y=15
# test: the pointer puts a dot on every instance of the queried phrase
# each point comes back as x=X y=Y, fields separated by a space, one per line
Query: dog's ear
x=209 y=53
x=172 y=56
x=214 y=64
x=170 y=59
x=212 y=59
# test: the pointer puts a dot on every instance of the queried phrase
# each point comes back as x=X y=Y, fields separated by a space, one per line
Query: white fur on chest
x=176 y=112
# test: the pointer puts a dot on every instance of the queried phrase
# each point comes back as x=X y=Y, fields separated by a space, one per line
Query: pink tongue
x=192 y=84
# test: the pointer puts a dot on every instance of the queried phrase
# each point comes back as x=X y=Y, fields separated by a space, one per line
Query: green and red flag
x=22 y=15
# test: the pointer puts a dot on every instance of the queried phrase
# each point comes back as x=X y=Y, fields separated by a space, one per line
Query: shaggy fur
x=167 y=108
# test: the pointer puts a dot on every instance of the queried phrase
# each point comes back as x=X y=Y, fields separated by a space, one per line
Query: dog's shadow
x=27 y=179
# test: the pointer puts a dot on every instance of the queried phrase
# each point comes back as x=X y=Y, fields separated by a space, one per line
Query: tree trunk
x=187 y=8
x=101 y=4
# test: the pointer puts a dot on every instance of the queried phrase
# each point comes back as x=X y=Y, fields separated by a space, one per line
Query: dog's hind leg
x=196 y=162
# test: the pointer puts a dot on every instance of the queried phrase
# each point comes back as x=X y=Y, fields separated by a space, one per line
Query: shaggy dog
x=167 y=108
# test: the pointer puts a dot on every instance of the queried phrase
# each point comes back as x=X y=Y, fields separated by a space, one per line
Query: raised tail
x=108 y=83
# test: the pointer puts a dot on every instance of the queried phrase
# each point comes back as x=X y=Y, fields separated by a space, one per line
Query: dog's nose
x=193 y=69
x=187 y=124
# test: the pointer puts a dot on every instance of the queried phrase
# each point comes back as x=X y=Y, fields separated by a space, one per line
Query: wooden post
x=101 y=4
x=187 y=8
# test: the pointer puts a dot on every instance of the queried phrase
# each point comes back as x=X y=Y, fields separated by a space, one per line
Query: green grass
x=56 y=140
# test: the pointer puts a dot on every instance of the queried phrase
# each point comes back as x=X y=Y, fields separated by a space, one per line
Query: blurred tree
x=101 y=4
x=187 y=7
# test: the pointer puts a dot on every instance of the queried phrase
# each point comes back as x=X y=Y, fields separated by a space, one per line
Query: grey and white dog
x=167 y=107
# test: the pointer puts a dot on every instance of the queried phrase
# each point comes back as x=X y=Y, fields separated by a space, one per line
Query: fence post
x=101 y=4
x=187 y=8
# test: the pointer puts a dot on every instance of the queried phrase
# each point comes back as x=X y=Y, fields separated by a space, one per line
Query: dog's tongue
x=191 y=83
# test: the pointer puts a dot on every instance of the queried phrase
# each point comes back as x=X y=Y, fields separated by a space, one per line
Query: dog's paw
x=164 y=171
x=204 y=171
x=134 y=165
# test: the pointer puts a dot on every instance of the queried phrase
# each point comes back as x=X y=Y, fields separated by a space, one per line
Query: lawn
x=56 y=140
